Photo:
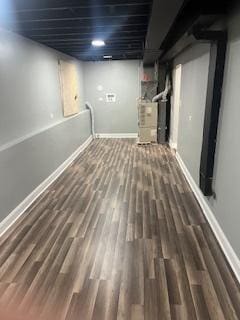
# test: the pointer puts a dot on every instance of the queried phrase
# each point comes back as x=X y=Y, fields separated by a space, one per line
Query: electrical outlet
x=51 y=115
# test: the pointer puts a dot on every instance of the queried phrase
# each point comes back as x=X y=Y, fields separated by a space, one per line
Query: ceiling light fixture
x=98 y=43
x=107 y=57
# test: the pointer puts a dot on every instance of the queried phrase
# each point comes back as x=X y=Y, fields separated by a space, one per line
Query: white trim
x=216 y=228
x=173 y=145
x=24 y=205
x=34 y=133
x=116 y=135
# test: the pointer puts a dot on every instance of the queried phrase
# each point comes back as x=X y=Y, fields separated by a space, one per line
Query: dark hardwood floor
x=120 y=236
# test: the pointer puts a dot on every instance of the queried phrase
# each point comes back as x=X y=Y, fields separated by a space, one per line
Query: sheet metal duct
x=163 y=15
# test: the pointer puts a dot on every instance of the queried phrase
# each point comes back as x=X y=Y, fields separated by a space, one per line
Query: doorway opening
x=176 y=105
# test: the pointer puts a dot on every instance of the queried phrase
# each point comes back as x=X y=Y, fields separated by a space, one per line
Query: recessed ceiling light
x=98 y=43
x=107 y=57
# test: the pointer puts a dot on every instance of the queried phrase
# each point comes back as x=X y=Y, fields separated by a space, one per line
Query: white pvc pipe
x=89 y=106
x=163 y=95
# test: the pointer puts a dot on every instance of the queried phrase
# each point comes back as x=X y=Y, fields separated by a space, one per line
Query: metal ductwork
x=163 y=16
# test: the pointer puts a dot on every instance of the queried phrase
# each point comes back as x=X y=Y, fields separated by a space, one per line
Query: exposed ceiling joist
x=77 y=34
x=93 y=28
x=87 y=6
x=82 y=18
x=33 y=5
x=126 y=26
x=71 y=25
x=76 y=23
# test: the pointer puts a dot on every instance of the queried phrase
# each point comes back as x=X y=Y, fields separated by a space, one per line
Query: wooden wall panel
x=69 y=87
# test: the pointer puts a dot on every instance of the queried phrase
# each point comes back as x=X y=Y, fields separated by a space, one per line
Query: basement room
x=119 y=160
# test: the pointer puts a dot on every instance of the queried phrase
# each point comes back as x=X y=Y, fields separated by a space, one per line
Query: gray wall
x=25 y=165
x=30 y=102
x=122 y=78
x=227 y=173
x=29 y=86
x=194 y=78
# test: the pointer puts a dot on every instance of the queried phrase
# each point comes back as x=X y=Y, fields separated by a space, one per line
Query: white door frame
x=176 y=104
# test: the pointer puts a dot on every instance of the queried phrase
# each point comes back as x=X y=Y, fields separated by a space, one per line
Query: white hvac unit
x=147 y=122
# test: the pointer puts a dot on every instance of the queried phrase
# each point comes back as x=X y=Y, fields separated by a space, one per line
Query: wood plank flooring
x=118 y=236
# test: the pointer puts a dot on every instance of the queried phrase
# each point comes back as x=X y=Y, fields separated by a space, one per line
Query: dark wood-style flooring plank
x=118 y=236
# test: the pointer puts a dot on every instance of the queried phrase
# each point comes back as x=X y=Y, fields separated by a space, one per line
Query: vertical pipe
x=213 y=103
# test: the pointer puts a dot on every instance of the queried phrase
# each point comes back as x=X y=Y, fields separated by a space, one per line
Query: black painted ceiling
x=70 y=25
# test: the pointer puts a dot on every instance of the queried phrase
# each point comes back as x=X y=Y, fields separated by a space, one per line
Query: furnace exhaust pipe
x=163 y=95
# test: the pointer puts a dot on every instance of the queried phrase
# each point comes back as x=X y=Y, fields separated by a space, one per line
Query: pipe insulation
x=89 y=107
x=163 y=95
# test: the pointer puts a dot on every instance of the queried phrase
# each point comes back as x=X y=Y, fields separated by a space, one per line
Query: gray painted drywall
x=121 y=78
x=29 y=86
x=195 y=62
x=227 y=159
x=25 y=165
x=29 y=94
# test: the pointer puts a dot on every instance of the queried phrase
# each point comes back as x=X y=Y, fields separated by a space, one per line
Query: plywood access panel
x=69 y=87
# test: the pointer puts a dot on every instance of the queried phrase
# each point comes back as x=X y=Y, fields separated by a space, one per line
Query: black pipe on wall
x=218 y=41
